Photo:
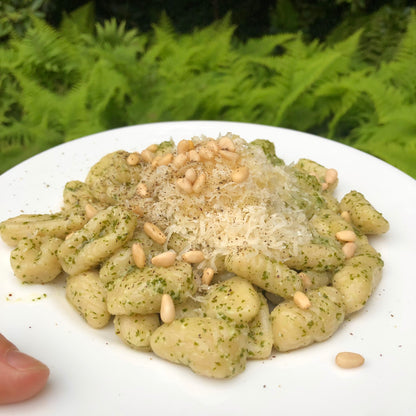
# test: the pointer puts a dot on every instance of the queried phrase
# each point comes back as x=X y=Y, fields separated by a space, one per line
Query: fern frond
x=47 y=57
x=382 y=34
x=266 y=45
x=78 y=23
x=305 y=78
x=394 y=141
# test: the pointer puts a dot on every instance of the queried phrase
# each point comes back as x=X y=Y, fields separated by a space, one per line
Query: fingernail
x=21 y=361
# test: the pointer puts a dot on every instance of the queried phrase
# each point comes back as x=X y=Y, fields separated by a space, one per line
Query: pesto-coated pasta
x=235 y=300
x=363 y=215
x=34 y=260
x=122 y=262
x=87 y=294
x=136 y=330
x=260 y=335
x=357 y=280
x=208 y=253
x=327 y=223
x=319 y=256
x=209 y=346
x=270 y=275
x=40 y=225
x=97 y=240
x=141 y=290
x=77 y=195
x=294 y=327
x=111 y=179
x=315 y=169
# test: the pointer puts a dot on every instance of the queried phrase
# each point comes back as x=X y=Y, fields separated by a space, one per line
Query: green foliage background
x=357 y=86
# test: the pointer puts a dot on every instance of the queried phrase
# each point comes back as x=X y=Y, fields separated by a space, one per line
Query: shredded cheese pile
x=259 y=212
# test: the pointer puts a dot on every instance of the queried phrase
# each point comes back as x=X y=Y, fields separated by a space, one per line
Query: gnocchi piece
x=87 y=294
x=136 y=330
x=327 y=223
x=294 y=327
x=363 y=246
x=310 y=196
x=118 y=265
x=320 y=172
x=121 y=262
x=315 y=279
x=141 y=290
x=260 y=335
x=40 y=225
x=235 y=300
x=34 y=260
x=270 y=275
x=103 y=234
x=320 y=256
x=112 y=180
x=269 y=150
x=208 y=346
x=357 y=280
x=363 y=215
x=77 y=195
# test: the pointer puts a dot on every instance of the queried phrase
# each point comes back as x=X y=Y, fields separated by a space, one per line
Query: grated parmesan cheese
x=261 y=212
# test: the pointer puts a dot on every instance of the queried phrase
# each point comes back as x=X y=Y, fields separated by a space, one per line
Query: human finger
x=21 y=376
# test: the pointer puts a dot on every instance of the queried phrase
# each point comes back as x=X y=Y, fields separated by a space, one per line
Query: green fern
x=60 y=84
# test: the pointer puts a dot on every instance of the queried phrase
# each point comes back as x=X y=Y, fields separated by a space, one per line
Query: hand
x=21 y=376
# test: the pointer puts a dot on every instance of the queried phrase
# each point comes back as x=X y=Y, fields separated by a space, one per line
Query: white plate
x=92 y=372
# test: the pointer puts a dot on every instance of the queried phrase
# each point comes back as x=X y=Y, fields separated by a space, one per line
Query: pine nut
x=193 y=256
x=306 y=280
x=147 y=155
x=180 y=160
x=193 y=156
x=225 y=143
x=346 y=215
x=90 y=211
x=205 y=153
x=207 y=276
x=139 y=257
x=156 y=160
x=212 y=145
x=191 y=175
x=137 y=210
x=184 y=146
x=133 y=159
x=165 y=159
x=240 y=174
x=324 y=186
x=345 y=235
x=141 y=190
x=152 y=148
x=331 y=176
x=184 y=185
x=349 y=359
x=199 y=183
x=154 y=233
x=228 y=155
x=167 y=309
x=165 y=259
x=69 y=235
x=301 y=300
x=349 y=249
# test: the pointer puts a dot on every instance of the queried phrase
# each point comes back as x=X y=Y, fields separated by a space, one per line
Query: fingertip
x=23 y=362
x=21 y=377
